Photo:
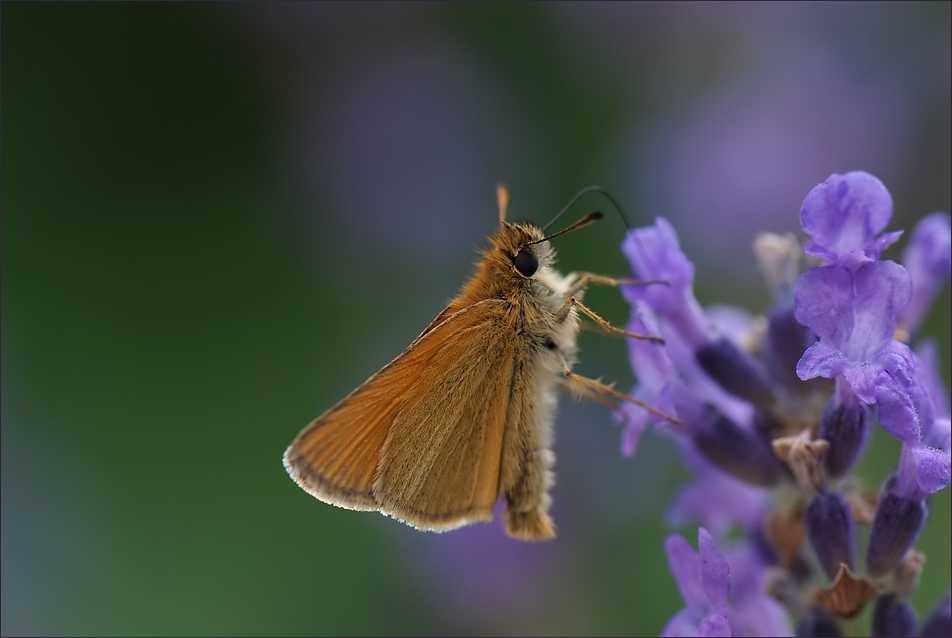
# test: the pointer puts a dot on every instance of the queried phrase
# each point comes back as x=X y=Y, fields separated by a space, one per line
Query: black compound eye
x=526 y=262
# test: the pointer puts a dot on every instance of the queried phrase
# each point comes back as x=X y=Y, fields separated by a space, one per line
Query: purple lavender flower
x=927 y=258
x=758 y=413
x=722 y=596
x=655 y=372
x=712 y=373
x=932 y=456
x=854 y=315
x=752 y=608
x=704 y=579
x=654 y=253
x=844 y=215
x=666 y=374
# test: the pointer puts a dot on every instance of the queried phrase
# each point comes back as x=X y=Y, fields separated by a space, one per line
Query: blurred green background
x=218 y=219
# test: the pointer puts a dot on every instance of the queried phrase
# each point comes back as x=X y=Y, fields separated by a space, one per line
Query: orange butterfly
x=464 y=414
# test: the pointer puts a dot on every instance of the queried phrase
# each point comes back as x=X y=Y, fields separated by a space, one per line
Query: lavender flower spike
x=705 y=581
x=854 y=304
x=768 y=466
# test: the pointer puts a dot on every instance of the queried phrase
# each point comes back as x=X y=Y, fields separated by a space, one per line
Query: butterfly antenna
x=583 y=222
x=618 y=209
x=589 y=189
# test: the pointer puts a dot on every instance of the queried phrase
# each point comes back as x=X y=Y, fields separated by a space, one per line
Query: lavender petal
x=715 y=574
x=715 y=625
x=844 y=214
x=685 y=567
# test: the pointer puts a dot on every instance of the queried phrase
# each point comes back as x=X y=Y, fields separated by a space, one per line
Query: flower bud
x=893 y=618
x=939 y=622
x=735 y=371
x=819 y=623
x=744 y=454
x=896 y=525
x=845 y=427
x=787 y=339
x=829 y=523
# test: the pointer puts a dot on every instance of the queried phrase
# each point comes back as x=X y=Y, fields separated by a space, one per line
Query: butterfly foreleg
x=571 y=302
x=585 y=278
x=585 y=386
x=580 y=390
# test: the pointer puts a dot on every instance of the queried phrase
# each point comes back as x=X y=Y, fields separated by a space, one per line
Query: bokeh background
x=218 y=219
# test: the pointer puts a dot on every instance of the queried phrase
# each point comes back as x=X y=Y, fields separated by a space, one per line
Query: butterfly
x=464 y=415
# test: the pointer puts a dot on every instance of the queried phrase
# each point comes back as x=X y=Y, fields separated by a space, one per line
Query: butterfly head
x=520 y=250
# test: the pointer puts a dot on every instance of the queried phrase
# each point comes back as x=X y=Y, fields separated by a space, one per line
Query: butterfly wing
x=422 y=439
x=439 y=467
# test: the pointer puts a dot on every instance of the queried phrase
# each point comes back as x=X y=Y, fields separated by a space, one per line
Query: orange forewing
x=416 y=440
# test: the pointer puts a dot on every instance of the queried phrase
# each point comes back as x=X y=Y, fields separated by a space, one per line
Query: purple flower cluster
x=777 y=410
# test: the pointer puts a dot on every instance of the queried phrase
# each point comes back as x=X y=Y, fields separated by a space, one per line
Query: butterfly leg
x=604 y=325
x=585 y=386
x=596 y=386
x=584 y=391
x=585 y=278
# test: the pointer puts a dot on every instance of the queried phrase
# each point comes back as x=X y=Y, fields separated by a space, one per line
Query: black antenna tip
x=597 y=215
